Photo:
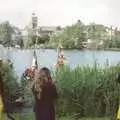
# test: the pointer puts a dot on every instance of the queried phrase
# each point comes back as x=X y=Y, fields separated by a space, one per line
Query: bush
x=12 y=88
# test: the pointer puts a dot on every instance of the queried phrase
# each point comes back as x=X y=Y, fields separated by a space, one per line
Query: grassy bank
x=64 y=118
x=54 y=48
x=112 y=49
x=31 y=117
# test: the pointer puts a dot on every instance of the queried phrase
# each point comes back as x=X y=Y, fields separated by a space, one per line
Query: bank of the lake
x=53 y=48
x=112 y=49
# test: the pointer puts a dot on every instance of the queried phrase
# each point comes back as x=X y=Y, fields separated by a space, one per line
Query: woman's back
x=44 y=107
x=48 y=95
x=45 y=93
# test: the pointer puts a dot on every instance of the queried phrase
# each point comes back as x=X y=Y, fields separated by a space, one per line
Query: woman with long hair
x=45 y=93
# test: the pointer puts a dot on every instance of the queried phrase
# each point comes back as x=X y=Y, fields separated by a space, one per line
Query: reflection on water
x=23 y=59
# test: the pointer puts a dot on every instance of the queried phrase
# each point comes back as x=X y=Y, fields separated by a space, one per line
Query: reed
x=83 y=91
x=88 y=91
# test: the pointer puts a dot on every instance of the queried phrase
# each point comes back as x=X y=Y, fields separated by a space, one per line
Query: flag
x=34 y=61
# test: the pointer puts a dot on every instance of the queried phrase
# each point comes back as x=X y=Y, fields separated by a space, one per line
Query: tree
x=45 y=39
x=58 y=28
x=6 y=31
x=29 y=41
x=12 y=88
x=96 y=31
x=71 y=36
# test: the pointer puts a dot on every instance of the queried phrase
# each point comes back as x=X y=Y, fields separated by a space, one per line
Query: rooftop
x=48 y=28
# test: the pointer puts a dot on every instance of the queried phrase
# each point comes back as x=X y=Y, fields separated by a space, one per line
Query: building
x=46 y=30
x=34 y=30
x=16 y=36
x=93 y=44
x=110 y=32
x=25 y=35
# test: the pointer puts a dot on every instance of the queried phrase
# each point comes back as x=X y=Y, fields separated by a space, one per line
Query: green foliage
x=43 y=39
x=19 y=40
x=11 y=86
x=96 y=31
x=84 y=91
x=89 y=92
x=33 y=40
x=74 y=36
x=6 y=33
x=31 y=117
x=26 y=86
x=70 y=37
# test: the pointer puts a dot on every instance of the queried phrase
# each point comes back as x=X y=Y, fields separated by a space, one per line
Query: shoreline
x=69 y=49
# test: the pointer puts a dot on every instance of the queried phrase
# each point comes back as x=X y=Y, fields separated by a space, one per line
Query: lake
x=23 y=58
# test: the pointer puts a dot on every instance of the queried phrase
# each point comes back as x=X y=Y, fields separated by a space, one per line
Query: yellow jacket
x=1 y=108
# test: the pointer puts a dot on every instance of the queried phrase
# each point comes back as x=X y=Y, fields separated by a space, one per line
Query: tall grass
x=86 y=91
x=83 y=91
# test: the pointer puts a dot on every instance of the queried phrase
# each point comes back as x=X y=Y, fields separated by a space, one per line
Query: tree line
x=70 y=36
x=75 y=35
x=10 y=35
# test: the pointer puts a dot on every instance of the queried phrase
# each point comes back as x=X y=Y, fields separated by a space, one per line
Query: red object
x=30 y=73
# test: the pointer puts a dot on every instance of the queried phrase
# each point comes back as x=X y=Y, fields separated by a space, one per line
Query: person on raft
x=61 y=60
x=45 y=93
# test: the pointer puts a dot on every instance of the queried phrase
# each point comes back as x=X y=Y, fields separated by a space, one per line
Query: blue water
x=23 y=59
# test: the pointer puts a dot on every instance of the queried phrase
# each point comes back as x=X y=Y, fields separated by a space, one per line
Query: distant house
x=15 y=36
x=46 y=30
x=25 y=34
x=93 y=44
x=110 y=31
x=41 y=31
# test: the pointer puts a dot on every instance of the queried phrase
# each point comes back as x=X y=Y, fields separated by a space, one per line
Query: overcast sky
x=61 y=12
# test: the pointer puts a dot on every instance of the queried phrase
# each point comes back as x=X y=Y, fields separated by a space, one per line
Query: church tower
x=34 y=23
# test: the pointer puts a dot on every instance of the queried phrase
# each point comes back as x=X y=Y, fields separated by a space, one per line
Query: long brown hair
x=48 y=75
x=43 y=78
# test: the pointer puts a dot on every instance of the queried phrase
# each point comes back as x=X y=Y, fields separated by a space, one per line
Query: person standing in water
x=45 y=93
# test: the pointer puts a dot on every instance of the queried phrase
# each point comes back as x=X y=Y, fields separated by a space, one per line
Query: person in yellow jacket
x=1 y=99
x=118 y=113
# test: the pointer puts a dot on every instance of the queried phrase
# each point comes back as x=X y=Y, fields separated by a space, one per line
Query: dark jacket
x=44 y=107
